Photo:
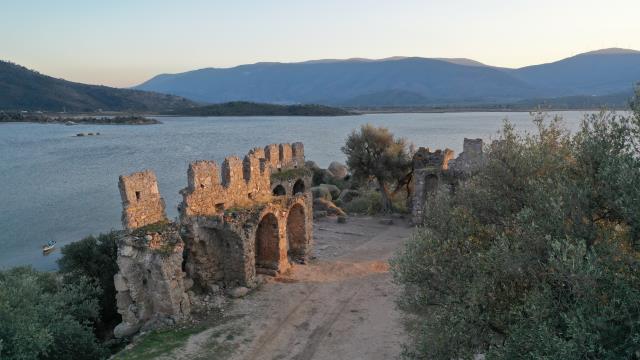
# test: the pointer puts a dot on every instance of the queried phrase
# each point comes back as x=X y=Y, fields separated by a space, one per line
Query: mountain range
x=590 y=77
x=24 y=89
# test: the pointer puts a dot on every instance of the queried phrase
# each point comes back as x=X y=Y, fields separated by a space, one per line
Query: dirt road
x=339 y=306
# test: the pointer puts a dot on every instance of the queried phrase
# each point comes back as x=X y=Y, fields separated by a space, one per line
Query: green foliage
x=246 y=108
x=159 y=342
x=374 y=153
x=536 y=256
x=24 y=89
x=369 y=202
x=291 y=174
x=94 y=258
x=42 y=317
x=40 y=118
x=157 y=227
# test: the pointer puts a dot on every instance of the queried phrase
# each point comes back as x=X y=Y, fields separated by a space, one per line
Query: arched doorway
x=296 y=233
x=279 y=191
x=298 y=187
x=267 y=244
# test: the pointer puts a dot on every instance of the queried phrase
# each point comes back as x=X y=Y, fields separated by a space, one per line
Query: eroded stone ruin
x=247 y=217
x=433 y=169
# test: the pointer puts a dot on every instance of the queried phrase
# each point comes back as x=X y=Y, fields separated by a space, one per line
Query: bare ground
x=339 y=306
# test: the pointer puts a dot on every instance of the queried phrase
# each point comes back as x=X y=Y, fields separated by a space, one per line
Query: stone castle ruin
x=236 y=221
x=433 y=169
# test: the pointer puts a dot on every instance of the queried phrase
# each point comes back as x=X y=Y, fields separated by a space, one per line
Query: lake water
x=56 y=186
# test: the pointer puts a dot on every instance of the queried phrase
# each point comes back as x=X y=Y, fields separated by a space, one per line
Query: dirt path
x=340 y=306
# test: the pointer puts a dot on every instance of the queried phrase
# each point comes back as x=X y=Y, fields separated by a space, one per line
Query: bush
x=43 y=318
x=94 y=258
x=537 y=255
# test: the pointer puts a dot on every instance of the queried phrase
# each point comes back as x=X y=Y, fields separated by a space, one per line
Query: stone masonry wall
x=150 y=284
x=432 y=169
x=141 y=201
x=232 y=227
x=239 y=183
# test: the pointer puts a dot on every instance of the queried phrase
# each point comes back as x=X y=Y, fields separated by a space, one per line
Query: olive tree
x=537 y=255
x=373 y=153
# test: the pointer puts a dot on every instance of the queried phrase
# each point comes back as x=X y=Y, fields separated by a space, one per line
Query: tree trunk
x=387 y=207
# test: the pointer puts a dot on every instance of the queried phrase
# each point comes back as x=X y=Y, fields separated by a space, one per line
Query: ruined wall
x=471 y=158
x=433 y=169
x=141 y=201
x=150 y=284
x=428 y=168
x=232 y=227
x=238 y=183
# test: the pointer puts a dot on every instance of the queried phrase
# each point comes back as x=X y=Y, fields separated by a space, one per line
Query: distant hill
x=243 y=108
x=24 y=89
x=597 y=73
x=406 y=81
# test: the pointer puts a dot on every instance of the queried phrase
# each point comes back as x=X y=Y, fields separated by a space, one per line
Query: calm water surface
x=56 y=186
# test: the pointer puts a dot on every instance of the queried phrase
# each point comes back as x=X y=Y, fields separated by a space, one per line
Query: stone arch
x=267 y=244
x=298 y=187
x=279 y=191
x=296 y=232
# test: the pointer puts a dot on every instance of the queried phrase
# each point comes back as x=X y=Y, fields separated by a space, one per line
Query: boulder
x=319 y=214
x=311 y=165
x=334 y=190
x=239 y=292
x=339 y=171
x=320 y=192
x=328 y=206
x=347 y=195
x=342 y=219
x=386 y=221
x=125 y=330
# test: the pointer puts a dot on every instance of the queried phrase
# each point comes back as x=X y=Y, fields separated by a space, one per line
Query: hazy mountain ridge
x=424 y=81
x=24 y=89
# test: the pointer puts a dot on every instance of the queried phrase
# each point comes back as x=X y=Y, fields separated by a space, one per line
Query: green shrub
x=94 y=258
x=43 y=318
x=536 y=256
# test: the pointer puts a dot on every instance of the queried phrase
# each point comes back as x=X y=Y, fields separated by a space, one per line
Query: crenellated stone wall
x=141 y=201
x=238 y=220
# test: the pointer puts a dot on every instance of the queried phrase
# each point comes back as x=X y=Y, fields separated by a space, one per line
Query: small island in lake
x=246 y=108
x=47 y=119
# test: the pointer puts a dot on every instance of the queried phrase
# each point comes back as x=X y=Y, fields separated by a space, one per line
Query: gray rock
x=125 y=330
x=347 y=195
x=386 y=221
x=148 y=237
x=339 y=171
x=188 y=283
x=119 y=283
x=214 y=288
x=239 y=292
x=342 y=219
x=319 y=214
x=312 y=165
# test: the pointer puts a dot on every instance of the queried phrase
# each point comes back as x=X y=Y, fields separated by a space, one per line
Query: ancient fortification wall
x=238 y=220
x=141 y=201
x=432 y=169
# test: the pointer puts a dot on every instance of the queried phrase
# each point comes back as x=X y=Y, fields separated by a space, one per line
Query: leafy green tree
x=94 y=258
x=536 y=256
x=43 y=318
x=373 y=153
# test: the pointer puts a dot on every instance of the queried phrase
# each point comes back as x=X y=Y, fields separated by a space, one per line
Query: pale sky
x=125 y=42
